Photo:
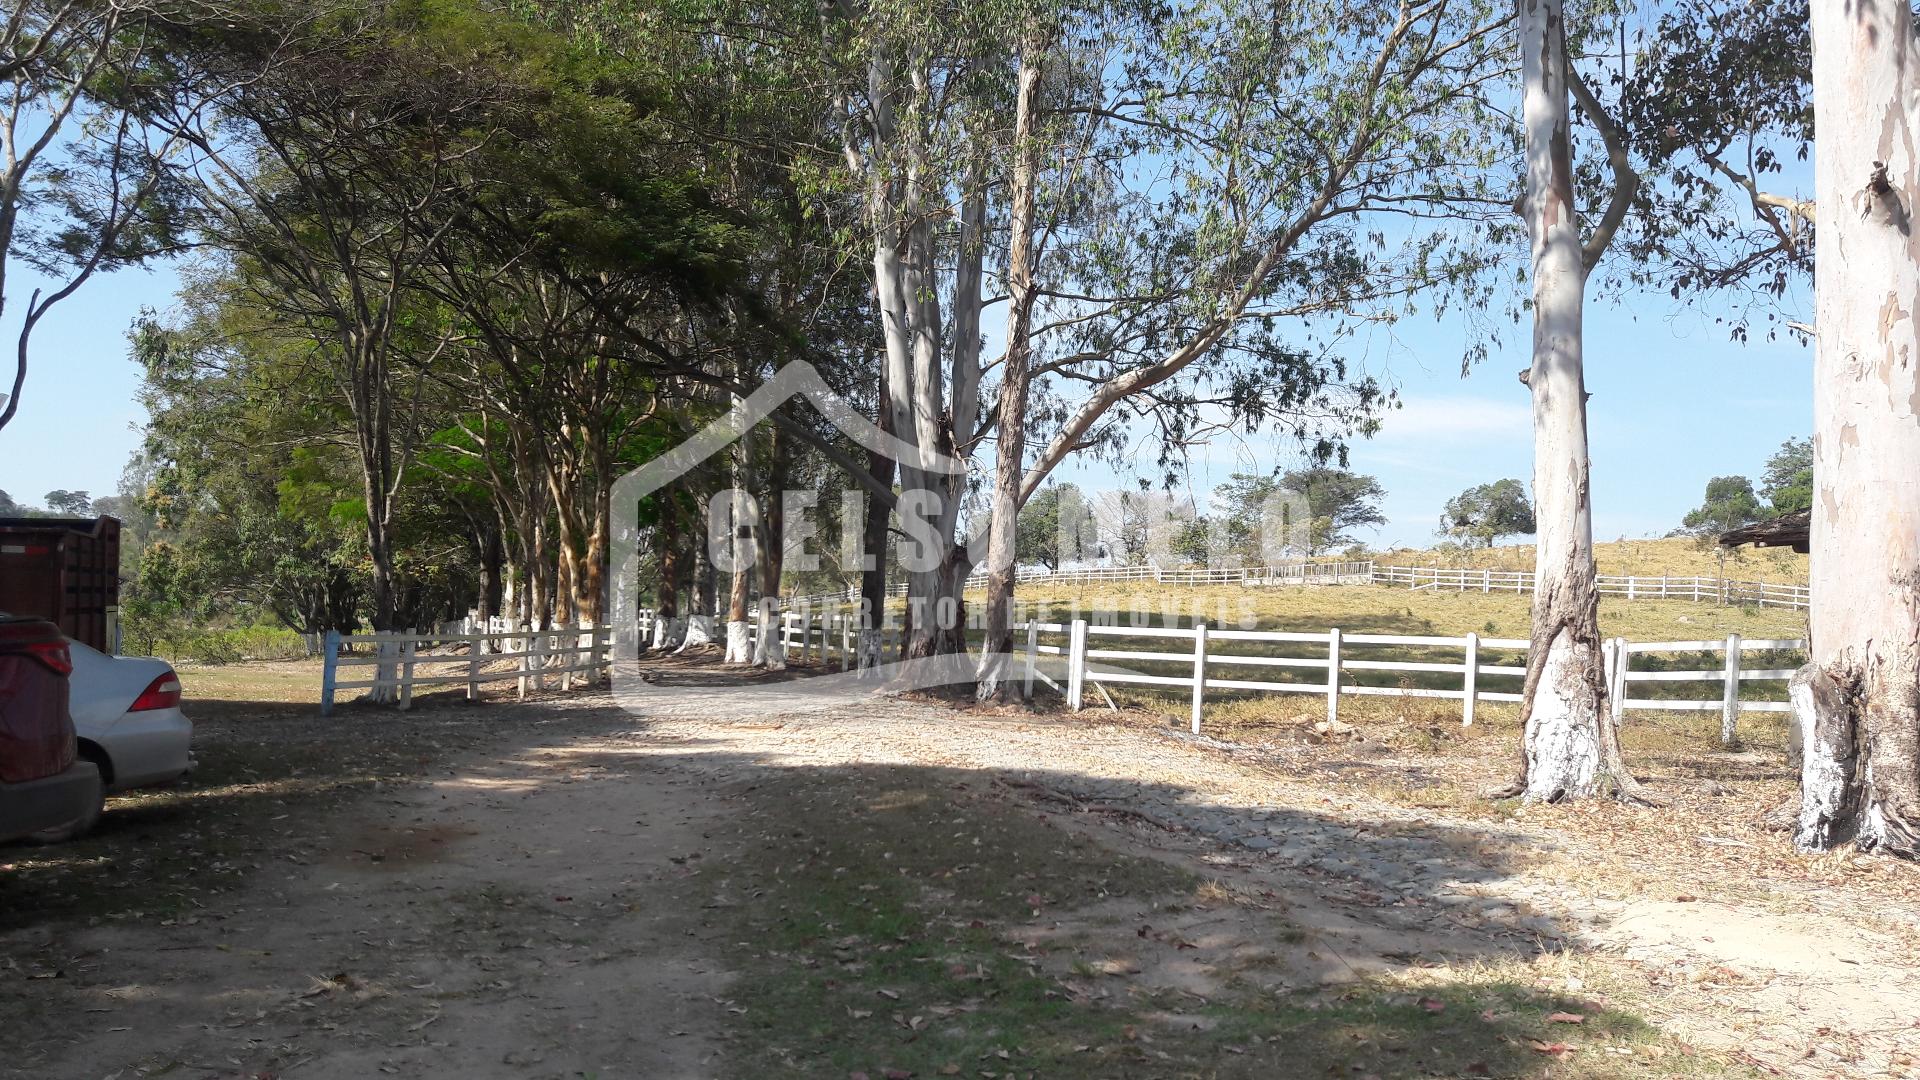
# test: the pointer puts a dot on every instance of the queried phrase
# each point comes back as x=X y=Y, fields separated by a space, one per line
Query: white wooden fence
x=404 y=662
x=1070 y=657
x=1335 y=658
x=1724 y=591
x=1632 y=587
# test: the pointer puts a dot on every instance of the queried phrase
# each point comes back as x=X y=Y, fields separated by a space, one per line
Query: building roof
x=1787 y=530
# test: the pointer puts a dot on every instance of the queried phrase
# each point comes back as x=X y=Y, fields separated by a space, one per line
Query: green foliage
x=1037 y=539
x=1333 y=502
x=1787 y=480
x=1717 y=106
x=1487 y=512
x=1730 y=502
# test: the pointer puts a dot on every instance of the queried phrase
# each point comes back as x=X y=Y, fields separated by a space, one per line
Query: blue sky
x=79 y=419
x=1674 y=403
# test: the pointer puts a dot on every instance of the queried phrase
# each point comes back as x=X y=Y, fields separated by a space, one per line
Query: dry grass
x=1377 y=609
x=1676 y=556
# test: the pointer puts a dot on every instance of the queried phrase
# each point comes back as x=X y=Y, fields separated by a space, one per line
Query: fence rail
x=1632 y=587
x=1724 y=591
x=1334 y=659
x=405 y=662
x=1071 y=657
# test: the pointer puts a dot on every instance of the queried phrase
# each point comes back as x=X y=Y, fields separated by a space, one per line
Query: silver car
x=127 y=718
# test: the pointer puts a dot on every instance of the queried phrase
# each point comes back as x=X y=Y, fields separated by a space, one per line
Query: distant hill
x=1679 y=557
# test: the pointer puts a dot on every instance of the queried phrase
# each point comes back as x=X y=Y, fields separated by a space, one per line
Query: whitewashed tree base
x=739 y=642
x=768 y=650
x=699 y=631
x=1562 y=739
x=994 y=672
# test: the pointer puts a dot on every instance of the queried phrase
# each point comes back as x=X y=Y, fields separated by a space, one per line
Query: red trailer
x=64 y=570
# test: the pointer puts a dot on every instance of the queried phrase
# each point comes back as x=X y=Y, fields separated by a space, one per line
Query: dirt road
x=531 y=915
x=568 y=901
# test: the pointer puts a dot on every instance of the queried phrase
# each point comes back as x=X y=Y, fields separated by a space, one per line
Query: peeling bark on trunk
x=1859 y=710
x=1570 y=749
x=994 y=676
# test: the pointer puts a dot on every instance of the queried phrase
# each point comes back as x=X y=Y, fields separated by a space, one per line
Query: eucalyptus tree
x=1570 y=743
x=918 y=82
x=1859 y=699
x=1716 y=107
x=1244 y=183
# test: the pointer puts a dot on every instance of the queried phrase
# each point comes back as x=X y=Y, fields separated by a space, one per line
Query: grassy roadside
x=906 y=924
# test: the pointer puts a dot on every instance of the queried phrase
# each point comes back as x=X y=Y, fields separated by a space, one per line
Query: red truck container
x=64 y=570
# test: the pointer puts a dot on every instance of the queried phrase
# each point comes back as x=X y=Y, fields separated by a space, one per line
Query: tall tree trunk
x=994 y=680
x=740 y=550
x=700 y=628
x=873 y=545
x=593 y=583
x=1858 y=702
x=487 y=539
x=770 y=540
x=1570 y=748
x=565 y=559
x=666 y=623
x=936 y=594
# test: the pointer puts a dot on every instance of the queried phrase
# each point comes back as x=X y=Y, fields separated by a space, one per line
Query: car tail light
x=38 y=639
x=161 y=693
x=54 y=654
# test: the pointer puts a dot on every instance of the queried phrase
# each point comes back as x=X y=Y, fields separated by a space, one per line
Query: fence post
x=1610 y=654
x=1333 y=674
x=1199 y=671
x=1618 y=699
x=1486 y=580
x=473 y=666
x=526 y=653
x=407 y=649
x=1076 y=663
x=1469 y=686
x=1730 y=700
x=1033 y=651
x=329 y=671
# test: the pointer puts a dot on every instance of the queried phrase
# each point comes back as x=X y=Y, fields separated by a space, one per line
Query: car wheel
x=80 y=826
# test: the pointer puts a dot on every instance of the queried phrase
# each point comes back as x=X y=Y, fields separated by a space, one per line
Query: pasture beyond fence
x=1726 y=591
x=1069 y=657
